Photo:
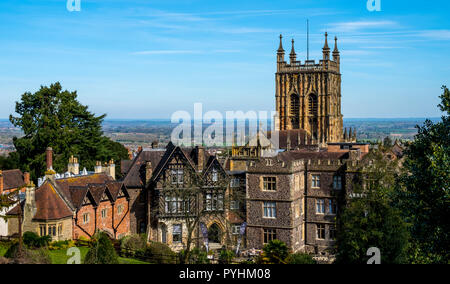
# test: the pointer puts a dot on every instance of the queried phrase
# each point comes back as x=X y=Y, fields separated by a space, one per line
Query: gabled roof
x=49 y=205
x=171 y=151
x=135 y=175
x=57 y=199
x=12 y=179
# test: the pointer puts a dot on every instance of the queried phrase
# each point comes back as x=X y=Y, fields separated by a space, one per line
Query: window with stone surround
x=104 y=213
x=320 y=231
x=332 y=232
x=315 y=181
x=332 y=207
x=337 y=182
x=269 y=235
x=86 y=218
x=320 y=206
x=177 y=233
x=270 y=209
x=177 y=176
x=270 y=183
x=119 y=209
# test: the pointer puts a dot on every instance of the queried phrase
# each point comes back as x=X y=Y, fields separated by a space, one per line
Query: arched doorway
x=214 y=234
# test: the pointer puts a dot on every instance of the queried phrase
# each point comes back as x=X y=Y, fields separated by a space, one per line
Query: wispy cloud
x=170 y=51
x=435 y=34
x=346 y=27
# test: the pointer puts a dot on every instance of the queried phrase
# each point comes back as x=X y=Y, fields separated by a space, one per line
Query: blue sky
x=142 y=59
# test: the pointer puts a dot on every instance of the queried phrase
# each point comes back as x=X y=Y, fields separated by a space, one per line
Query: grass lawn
x=60 y=257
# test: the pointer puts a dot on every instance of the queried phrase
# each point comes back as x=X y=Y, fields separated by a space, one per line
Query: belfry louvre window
x=269 y=235
x=270 y=183
x=312 y=104
x=295 y=105
x=177 y=176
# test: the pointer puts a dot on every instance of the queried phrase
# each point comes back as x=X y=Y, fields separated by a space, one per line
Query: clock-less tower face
x=308 y=96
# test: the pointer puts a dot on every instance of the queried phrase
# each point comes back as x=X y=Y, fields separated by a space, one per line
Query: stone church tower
x=308 y=95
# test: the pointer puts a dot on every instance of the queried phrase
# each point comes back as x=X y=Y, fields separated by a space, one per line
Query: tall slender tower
x=308 y=95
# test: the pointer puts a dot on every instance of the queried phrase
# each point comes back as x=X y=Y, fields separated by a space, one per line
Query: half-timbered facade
x=184 y=188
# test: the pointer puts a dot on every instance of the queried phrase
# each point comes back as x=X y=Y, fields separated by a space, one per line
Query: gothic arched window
x=312 y=103
x=295 y=105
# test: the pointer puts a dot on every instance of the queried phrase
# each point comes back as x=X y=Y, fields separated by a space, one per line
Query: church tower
x=308 y=95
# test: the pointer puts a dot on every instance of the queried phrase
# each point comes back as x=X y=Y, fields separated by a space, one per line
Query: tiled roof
x=12 y=179
x=307 y=154
x=296 y=137
x=136 y=174
x=135 y=177
x=49 y=205
x=56 y=199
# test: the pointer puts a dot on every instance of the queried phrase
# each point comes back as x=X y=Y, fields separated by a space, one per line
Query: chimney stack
x=49 y=158
x=98 y=167
x=30 y=196
x=148 y=172
x=155 y=144
x=26 y=178
x=73 y=166
x=200 y=151
x=1 y=182
x=111 y=169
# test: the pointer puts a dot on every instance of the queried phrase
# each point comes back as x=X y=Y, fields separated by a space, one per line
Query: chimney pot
x=1 y=182
x=49 y=158
x=26 y=178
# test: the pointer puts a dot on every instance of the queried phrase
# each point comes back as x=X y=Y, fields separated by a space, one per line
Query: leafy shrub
x=275 y=252
x=226 y=256
x=300 y=258
x=28 y=256
x=159 y=253
x=102 y=251
x=32 y=240
x=197 y=256
x=60 y=245
x=12 y=250
x=132 y=245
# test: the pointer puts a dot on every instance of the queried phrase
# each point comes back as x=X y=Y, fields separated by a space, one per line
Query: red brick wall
x=121 y=221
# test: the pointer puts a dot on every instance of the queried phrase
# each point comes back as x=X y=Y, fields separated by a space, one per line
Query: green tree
x=102 y=251
x=424 y=196
x=54 y=118
x=370 y=220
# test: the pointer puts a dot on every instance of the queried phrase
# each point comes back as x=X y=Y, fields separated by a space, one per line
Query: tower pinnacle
x=326 y=49
x=293 y=55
